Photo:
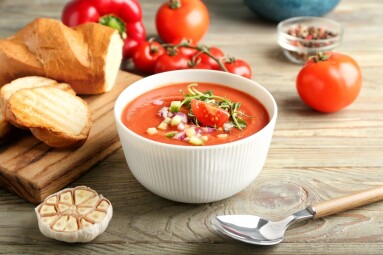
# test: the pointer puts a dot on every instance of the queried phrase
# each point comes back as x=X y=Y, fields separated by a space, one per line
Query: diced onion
x=183 y=116
x=163 y=112
x=181 y=126
x=157 y=102
x=228 y=126
x=207 y=129
x=179 y=136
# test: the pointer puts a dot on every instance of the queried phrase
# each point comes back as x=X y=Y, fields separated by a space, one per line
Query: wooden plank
x=200 y=248
x=313 y=156
x=33 y=170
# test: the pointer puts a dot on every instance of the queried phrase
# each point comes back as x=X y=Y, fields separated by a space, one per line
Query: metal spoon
x=256 y=230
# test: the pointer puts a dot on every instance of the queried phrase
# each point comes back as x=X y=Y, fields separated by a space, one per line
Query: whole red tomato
x=329 y=82
x=205 y=58
x=146 y=54
x=170 y=61
x=238 y=66
x=182 y=19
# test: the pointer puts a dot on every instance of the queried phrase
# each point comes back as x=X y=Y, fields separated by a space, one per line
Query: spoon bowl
x=256 y=230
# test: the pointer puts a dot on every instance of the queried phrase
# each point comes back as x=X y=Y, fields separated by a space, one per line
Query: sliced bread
x=54 y=116
x=29 y=82
x=23 y=83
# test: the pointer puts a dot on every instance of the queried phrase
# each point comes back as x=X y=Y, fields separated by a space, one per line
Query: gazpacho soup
x=195 y=114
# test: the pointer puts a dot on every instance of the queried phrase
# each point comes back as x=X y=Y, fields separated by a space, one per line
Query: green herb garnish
x=221 y=102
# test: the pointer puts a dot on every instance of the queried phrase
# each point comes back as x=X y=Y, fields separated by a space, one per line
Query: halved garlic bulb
x=74 y=215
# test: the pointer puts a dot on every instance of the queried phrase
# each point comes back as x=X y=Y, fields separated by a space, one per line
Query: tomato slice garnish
x=209 y=115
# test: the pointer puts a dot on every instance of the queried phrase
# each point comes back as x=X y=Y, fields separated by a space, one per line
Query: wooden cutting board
x=33 y=170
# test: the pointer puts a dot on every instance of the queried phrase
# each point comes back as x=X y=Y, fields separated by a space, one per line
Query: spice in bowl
x=303 y=37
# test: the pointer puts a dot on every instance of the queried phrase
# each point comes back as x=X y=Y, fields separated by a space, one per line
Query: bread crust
x=60 y=140
x=36 y=109
x=48 y=48
x=22 y=83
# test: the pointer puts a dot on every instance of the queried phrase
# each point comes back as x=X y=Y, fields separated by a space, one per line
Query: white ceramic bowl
x=195 y=174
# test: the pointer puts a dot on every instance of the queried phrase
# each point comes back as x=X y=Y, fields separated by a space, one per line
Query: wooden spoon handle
x=347 y=202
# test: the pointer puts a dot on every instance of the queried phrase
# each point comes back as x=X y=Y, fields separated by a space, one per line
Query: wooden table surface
x=313 y=156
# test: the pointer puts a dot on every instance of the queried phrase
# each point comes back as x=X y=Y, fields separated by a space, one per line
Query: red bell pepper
x=124 y=15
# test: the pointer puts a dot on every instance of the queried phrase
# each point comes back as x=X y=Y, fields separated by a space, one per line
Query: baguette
x=87 y=57
x=58 y=118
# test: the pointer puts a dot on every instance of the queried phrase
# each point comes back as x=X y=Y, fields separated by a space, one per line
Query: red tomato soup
x=146 y=114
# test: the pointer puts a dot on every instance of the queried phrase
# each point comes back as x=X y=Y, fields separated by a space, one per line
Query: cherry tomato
x=200 y=65
x=329 y=82
x=182 y=19
x=217 y=53
x=146 y=54
x=189 y=52
x=171 y=61
x=209 y=115
x=238 y=66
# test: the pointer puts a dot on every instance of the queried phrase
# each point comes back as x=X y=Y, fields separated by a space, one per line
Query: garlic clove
x=71 y=224
x=46 y=210
x=60 y=224
x=49 y=219
x=85 y=223
x=52 y=200
x=103 y=206
x=66 y=198
x=81 y=195
x=96 y=216
x=84 y=210
x=62 y=207
x=91 y=202
x=74 y=215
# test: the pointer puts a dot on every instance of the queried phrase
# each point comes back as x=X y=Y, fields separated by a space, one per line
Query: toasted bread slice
x=29 y=82
x=54 y=116
x=23 y=83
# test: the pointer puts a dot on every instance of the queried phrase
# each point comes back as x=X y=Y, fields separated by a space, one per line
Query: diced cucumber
x=190 y=132
x=176 y=120
x=175 y=106
x=196 y=141
x=167 y=120
x=152 y=131
x=171 y=134
x=222 y=136
x=163 y=126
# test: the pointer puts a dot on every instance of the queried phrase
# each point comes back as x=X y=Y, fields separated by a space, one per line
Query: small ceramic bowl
x=302 y=37
x=195 y=174
x=278 y=10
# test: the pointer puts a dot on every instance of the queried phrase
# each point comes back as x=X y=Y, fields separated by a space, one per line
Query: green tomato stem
x=174 y=4
x=320 y=57
x=201 y=50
